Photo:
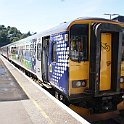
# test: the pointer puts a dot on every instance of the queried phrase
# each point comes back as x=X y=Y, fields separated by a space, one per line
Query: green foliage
x=11 y=34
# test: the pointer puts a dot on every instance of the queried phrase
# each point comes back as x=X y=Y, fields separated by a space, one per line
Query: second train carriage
x=80 y=59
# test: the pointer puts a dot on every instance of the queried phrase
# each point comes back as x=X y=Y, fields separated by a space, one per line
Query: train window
x=54 y=52
x=27 y=47
x=13 y=50
x=39 y=51
x=79 y=42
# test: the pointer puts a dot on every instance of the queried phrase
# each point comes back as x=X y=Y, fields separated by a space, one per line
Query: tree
x=11 y=34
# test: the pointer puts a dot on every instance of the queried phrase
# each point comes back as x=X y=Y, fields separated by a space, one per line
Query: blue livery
x=58 y=71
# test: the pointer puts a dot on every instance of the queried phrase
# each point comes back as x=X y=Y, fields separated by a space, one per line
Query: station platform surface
x=22 y=101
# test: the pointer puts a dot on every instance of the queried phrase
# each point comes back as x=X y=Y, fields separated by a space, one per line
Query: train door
x=38 y=60
x=105 y=58
x=44 y=60
x=105 y=64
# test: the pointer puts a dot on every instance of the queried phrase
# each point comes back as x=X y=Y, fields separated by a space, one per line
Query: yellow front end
x=78 y=71
x=94 y=65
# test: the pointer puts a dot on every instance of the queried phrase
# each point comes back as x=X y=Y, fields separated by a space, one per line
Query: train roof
x=64 y=26
x=60 y=28
x=92 y=18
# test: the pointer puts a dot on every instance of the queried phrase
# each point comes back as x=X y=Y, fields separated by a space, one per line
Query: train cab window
x=79 y=42
x=54 y=52
x=39 y=51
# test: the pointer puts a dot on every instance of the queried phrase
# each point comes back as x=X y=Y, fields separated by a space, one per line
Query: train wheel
x=65 y=101
x=56 y=95
x=61 y=98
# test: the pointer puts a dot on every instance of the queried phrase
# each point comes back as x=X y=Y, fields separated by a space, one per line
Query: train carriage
x=81 y=60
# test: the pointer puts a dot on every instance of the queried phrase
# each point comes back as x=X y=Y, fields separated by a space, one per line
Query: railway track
x=117 y=120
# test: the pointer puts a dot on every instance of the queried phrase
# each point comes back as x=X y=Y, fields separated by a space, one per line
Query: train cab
x=94 y=64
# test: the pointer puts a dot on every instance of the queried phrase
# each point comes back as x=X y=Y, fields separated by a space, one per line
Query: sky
x=40 y=15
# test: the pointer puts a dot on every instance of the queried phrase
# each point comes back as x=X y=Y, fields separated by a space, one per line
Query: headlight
x=83 y=83
x=123 y=97
x=122 y=79
x=78 y=83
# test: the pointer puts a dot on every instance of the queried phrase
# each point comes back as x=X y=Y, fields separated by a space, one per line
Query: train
x=82 y=60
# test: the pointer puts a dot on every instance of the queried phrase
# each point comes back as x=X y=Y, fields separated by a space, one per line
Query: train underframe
x=99 y=104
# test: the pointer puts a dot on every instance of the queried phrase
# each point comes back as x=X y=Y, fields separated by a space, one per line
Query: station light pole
x=110 y=15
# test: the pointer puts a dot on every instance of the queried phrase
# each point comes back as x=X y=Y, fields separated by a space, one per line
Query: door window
x=54 y=52
x=39 y=51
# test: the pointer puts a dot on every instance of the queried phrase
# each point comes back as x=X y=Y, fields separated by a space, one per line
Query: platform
x=23 y=101
x=9 y=88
